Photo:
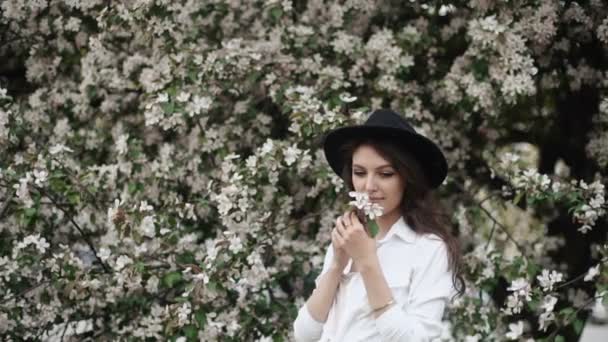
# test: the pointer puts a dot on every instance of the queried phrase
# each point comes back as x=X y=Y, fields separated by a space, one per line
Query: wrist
x=368 y=263
x=335 y=270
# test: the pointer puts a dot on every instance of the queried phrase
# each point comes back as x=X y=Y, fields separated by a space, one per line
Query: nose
x=370 y=184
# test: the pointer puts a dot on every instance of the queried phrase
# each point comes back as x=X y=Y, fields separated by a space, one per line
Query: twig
x=573 y=280
x=504 y=229
x=80 y=230
x=11 y=194
x=24 y=292
x=491 y=235
x=76 y=181
x=567 y=321
x=491 y=217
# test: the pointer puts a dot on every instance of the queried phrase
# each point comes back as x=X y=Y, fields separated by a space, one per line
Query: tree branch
x=80 y=230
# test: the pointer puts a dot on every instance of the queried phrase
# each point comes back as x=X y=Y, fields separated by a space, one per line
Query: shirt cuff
x=306 y=328
x=390 y=318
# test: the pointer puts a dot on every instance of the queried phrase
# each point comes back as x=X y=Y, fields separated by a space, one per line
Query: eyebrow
x=378 y=168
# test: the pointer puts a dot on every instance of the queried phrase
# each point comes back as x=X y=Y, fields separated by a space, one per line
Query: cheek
x=358 y=184
x=396 y=190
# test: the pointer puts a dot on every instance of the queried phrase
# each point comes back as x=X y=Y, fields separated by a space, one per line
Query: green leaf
x=373 y=228
x=186 y=258
x=276 y=13
x=140 y=267
x=201 y=318
x=190 y=331
x=135 y=187
x=518 y=197
x=171 y=279
x=567 y=312
x=212 y=286
x=74 y=198
x=168 y=107
x=560 y=338
x=578 y=326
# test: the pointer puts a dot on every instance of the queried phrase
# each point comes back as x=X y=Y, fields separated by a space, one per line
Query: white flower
x=104 y=253
x=200 y=104
x=585 y=228
x=472 y=338
x=121 y=144
x=291 y=154
x=521 y=287
x=375 y=210
x=371 y=210
x=4 y=123
x=59 y=148
x=147 y=227
x=152 y=284
x=123 y=261
x=236 y=244
x=40 y=177
x=40 y=243
x=163 y=97
x=252 y=162
x=361 y=199
x=592 y=273
x=183 y=314
x=515 y=330
x=347 y=98
x=267 y=147
x=549 y=303
x=201 y=276
x=547 y=280
x=544 y=319
x=144 y=206
x=183 y=97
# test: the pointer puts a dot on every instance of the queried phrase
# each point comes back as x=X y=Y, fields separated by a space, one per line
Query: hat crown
x=388 y=118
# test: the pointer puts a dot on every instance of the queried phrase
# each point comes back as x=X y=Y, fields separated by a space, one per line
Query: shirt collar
x=402 y=230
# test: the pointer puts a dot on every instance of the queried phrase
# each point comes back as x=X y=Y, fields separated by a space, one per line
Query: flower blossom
x=592 y=273
x=547 y=280
x=515 y=330
x=371 y=210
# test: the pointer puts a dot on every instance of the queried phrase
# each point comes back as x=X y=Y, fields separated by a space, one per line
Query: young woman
x=393 y=287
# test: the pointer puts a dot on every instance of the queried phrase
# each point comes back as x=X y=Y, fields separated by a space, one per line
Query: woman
x=393 y=287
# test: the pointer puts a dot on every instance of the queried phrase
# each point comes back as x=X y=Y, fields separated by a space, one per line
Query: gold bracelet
x=390 y=302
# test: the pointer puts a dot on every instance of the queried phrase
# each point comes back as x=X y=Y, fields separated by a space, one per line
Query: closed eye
x=383 y=174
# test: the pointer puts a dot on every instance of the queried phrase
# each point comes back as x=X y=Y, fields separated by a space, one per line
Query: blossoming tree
x=161 y=177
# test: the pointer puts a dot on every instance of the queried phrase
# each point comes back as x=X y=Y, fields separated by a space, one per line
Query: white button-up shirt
x=416 y=270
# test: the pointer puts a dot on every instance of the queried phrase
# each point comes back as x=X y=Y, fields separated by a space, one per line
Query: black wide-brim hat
x=385 y=124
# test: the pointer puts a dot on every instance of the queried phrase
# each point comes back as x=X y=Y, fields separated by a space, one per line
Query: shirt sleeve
x=419 y=319
x=306 y=328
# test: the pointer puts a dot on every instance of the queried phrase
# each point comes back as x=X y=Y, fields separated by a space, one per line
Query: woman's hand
x=340 y=257
x=352 y=237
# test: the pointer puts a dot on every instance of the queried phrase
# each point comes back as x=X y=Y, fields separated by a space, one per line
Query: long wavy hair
x=419 y=206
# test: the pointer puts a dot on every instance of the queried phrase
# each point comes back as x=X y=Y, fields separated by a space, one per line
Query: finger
x=340 y=229
x=355 y=221
x=347 y=220
x=338 y=239
x=353 y=218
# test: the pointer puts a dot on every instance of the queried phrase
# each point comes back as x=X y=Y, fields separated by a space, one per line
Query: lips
x=376 y=199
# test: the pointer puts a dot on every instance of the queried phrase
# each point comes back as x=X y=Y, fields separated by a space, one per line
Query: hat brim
x=427 y=153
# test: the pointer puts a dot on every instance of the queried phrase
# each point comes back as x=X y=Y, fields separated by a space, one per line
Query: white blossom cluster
x=162 y=177
x=534 y=185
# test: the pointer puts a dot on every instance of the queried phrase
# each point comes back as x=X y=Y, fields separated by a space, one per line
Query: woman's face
x=374 y=175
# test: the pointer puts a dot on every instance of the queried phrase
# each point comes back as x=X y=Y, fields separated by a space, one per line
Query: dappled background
x=161 y=177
